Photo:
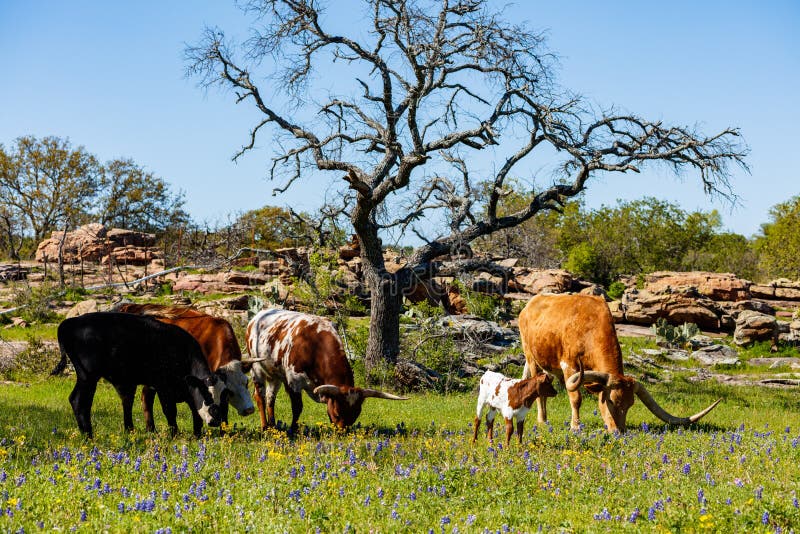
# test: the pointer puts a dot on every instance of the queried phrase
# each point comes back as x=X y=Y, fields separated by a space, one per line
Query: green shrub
x=36 y=360
x=424 y=310
x=616 y=290
x=75 y=293
x=34 y=302
x=489 y=307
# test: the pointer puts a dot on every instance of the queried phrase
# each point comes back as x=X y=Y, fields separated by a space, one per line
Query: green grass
x=43 y=331
x=406 y=467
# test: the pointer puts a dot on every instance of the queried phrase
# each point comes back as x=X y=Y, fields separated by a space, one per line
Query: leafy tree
x=48 y=183
x=726 y=252
x=133 y=198
x=11 y=233
x=419 y=92
x=638 y=236
x=779 y=243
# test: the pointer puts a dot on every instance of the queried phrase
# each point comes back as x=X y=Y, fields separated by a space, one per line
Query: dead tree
x=420 y=91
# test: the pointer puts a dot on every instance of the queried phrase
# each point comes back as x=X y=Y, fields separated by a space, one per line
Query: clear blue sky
x=109 y=75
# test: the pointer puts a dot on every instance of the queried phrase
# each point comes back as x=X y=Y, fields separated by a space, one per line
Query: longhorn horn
x=662 y=414
x=326 y=389
x=381 y=394
x=571 y=384
x=575 y=381
x=251 y=361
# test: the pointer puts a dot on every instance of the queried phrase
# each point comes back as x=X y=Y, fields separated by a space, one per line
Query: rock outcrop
x=95 y=243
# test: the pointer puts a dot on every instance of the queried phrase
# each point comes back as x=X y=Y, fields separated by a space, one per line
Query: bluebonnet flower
x=634 y=516
x=765 y=518
x=687 y=468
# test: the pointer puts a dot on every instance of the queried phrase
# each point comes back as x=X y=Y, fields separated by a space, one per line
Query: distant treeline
x=47 y=184
x=647 y=235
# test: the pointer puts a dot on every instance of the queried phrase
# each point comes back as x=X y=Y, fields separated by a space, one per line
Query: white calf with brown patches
x=512 y=397
x=304 y=353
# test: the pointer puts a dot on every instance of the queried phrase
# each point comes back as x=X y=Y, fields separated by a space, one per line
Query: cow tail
x=62 y=364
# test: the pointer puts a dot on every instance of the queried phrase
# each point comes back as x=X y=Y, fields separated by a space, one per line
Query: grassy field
x=406 y=467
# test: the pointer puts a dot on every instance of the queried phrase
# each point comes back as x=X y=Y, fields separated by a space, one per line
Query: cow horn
x=381 y=394
x=659 y=412
x=573 y=384
x=251 y=361
x=326 y=389
x=575 y=381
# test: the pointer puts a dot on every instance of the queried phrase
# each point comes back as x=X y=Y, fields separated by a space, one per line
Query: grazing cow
x=513 y=397
x=129 y=350
x=219 y=345
x=304 y=353
x=565 y=334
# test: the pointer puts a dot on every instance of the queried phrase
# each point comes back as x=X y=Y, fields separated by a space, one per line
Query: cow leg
x=575 y=402
x=490 y=425
x=509 y=430
x=520 y=429
x=126 y=394
x=477 y=425
x=265 y=401
x=197 y=424
x=170 y=411
x=81 y=400
x=259 y=394
x=297 y=407
x=541 y=409
x=148 y=399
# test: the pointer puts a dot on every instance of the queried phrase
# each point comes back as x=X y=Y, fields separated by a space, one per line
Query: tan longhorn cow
x=573 y=336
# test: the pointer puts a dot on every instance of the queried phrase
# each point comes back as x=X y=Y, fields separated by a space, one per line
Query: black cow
x=129 y=350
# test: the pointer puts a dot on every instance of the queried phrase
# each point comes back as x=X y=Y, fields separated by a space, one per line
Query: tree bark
x=383 y=343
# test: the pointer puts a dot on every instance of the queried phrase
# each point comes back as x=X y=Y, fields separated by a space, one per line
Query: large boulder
x=122 y=237
x=94 y=243
x=83 y=307
x=716 y=286
x=535 y=281
x=644 y=307
x=716 y=355
x=13 y=272
x=131 y=255
x=781 y=289
x=82 y=244
x=754 y=326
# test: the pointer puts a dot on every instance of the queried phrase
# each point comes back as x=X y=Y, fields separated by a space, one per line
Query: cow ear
x=193 y=381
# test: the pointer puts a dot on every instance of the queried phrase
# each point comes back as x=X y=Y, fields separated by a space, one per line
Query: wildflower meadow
x=405 y=467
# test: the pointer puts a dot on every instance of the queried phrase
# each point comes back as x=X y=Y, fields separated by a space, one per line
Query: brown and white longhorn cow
x=573 y=338
x=218 y=343
x=305 y=353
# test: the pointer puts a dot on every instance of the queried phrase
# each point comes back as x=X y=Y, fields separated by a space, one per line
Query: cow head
x=344 y=402
x=617 y=394
x=236 y=381
x=207 y=395
x=527 y=390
